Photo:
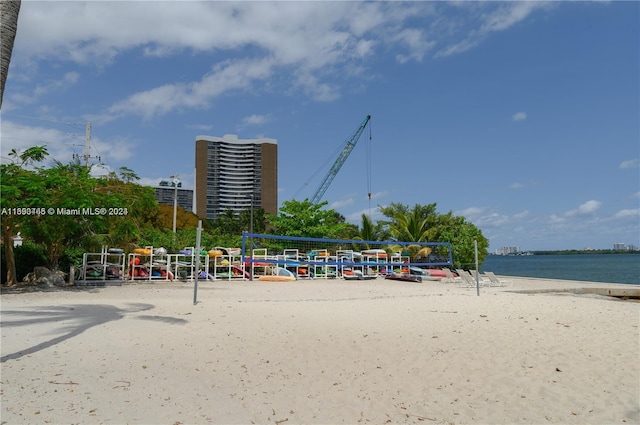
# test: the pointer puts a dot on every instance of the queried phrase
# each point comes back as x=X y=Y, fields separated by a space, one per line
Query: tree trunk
x=9 y=10
x=8 y=252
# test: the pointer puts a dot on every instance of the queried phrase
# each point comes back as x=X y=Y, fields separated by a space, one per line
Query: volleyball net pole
x=197 y=267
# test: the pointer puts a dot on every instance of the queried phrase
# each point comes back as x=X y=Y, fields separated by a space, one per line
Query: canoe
x=406 y=277
x=274 y=278
x=380 y=253
x=214 y=253
x=358 y=275
x=317 y=253
x=279 y=275
x=419 y=271
x=436 y=273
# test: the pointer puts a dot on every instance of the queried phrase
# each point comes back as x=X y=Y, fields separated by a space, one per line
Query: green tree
x=70 y=190
x=306 y=219
x=461 y=234
x=19 y=184
x=425 y=224
x=258 y=222
x=228 y=223
x=118 y=190
x=183 y=238
x=83 y=212
x=350 y=231
x=410 y=225
x=369 y=231
x=184 y=218
x=231 y=226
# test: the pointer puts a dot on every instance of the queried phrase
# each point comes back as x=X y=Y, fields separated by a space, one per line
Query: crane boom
x=351 y=143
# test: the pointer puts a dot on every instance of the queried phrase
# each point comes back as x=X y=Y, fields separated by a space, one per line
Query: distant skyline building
x=165 y=193
x=508 y=250
x=624 y=247
x=231 y=173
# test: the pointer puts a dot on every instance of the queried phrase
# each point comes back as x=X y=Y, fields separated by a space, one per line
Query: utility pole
x=87 y=145
x=175 y=183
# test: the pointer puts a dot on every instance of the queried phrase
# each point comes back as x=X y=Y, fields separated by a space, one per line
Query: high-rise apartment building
x=167 y=193
x=231 y=173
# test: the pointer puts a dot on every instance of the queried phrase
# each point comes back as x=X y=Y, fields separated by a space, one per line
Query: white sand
x=319 y=352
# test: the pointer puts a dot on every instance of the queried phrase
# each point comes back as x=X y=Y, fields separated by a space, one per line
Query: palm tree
x=410 y=226
x=9 y=10
x=370 y=231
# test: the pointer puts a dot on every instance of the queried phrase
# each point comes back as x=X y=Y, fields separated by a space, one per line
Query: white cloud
x=587 y=208
x=492 y=220
x=117 y=150
x=255 y=119
x=315 y=45
x=45 y=87
x=632 y=163
x=516 y=185
x=323 y=92
x=62 y=144
x=459 y=47
x=485 y=218
x=493 y=17
x=521 y=215
x=415 y=41
x=556 y=219
x=628 y=213
x=341 y=203
x=374 y=215
x=508 y=14
x=519 y=116
x=305 y=38
x=471 y=212
x=488 y=219
x=70 y=78
x=226 y=76
x=310 y=33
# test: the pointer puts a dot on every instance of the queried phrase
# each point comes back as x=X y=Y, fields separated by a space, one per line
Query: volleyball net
x=329 y=258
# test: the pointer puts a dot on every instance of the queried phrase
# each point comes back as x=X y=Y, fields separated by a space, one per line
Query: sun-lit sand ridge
x=320 y=352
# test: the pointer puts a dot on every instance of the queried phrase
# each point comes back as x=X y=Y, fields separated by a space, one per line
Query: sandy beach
x=320 y=352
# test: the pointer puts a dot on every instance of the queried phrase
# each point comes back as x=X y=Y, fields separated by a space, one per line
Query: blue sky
x=523 y=117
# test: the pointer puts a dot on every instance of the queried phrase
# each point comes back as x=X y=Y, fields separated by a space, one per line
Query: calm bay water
x=611 y=268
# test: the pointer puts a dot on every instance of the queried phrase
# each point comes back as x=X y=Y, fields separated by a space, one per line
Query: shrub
x=28 y=256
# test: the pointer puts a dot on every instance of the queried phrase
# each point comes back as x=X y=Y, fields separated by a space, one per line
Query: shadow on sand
x=74 y=320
